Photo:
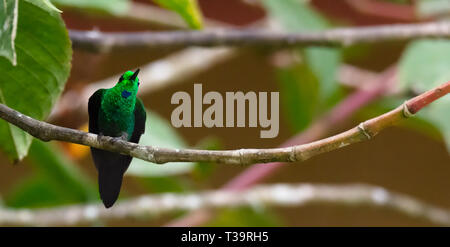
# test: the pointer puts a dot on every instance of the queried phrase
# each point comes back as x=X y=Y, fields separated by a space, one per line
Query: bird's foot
x=123 y=136
x=99 y=136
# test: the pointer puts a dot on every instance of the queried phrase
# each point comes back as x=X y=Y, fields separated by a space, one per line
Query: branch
x=104 y=42
x=362 y=132
x=268 y=195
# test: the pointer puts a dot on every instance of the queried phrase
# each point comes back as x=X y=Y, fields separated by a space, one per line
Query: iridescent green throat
x=116 y=114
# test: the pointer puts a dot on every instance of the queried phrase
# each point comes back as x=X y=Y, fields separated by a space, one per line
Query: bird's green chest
x=116 y=116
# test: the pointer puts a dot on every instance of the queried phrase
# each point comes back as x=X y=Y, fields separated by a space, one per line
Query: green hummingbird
x=115 y=112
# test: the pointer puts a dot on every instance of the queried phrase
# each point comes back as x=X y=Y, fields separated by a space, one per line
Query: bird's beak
x=133 y=77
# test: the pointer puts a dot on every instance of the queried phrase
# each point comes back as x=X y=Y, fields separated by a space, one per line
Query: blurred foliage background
x=412 y=158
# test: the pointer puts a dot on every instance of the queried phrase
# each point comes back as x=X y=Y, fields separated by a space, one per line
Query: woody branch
x=364 y=131
x=103 y=42
x=267 y=195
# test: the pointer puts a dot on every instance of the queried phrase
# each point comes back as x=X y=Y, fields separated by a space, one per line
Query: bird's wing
x=139 y=121
x=110 y=166
x=93 y=108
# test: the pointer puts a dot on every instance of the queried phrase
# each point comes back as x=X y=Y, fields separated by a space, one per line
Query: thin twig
x=268 y=195
x=362 y=132
x=105 y=42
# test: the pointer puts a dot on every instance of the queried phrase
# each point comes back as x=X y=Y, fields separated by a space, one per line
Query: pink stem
x=419 y=102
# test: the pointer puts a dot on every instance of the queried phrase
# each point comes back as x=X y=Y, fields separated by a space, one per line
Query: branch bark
x=364 y=131
x=96 y=41
x=268 y=195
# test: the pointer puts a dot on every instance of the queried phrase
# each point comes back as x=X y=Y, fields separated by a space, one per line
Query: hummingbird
x=118 y=113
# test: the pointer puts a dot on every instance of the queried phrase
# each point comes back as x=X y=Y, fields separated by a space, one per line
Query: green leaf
x=187 y=9
x=8 y=20
x=299 y=89
x=56 y=180
x=245 y=217
x=203 y=170
x=43 y=65
x=431 y=8
x=164 y=184
x=46 y=5
x=417 y=123
x=158 y=132
x=294 y=15
x=438 y=114
x=49 y=160
x=425 y=64
x=324 y=62
x=37 y=191
x=115 y=7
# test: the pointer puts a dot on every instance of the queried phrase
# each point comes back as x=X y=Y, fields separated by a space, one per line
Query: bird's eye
x=139 y=83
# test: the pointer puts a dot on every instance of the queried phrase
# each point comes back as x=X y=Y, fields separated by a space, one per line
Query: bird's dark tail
x=111 y=167
x=109 y=183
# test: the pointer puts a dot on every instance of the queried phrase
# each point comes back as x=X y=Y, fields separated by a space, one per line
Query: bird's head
x=128 y=83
